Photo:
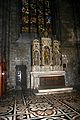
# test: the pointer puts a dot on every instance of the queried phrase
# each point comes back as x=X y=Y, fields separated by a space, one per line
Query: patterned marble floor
x=18 y=105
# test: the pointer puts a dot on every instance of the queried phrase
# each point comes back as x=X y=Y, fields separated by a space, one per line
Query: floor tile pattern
x=18 y=105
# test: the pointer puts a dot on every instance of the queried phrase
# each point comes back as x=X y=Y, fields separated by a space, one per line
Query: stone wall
x=71 y=70
x=20 y=53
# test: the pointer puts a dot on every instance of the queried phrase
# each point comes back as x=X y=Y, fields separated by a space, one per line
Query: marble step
x=52 y=91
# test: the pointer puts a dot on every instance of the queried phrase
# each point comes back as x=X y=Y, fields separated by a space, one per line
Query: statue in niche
x=58 y=58
x=36 y=58
x=45 y=34
x=46 y=55
x=71 y=36
x=57 y=53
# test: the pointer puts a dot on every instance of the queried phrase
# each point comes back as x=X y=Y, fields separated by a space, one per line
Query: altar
x=48 y=64
x=46 y=79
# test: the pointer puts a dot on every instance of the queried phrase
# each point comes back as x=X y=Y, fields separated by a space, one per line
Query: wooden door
x=2 y=78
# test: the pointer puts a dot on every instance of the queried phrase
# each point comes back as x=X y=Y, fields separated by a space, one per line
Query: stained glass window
x=36 y=16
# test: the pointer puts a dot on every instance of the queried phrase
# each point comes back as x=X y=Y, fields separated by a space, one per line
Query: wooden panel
x=53 y=81
x=0 y=79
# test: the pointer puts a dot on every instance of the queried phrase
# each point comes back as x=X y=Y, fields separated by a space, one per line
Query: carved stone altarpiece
x=47 y=60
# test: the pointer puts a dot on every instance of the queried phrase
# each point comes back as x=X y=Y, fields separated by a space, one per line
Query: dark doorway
x=21 y=77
